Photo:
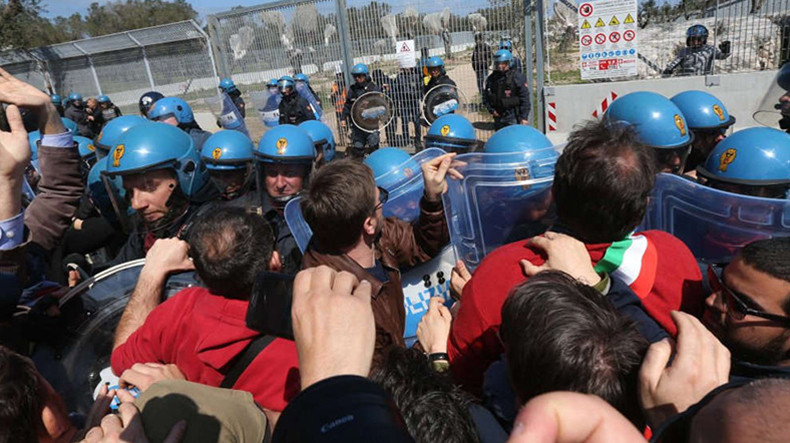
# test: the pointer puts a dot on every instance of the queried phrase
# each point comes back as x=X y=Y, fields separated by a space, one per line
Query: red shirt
x=202 y=333
x=668 y=278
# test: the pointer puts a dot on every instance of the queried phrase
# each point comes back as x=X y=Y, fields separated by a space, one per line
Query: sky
x=203 y=7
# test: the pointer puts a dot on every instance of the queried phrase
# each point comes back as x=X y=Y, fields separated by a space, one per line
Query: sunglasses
x=737 y=307
x=384 y=195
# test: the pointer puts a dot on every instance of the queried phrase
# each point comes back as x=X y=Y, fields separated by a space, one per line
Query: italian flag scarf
x=632 y=260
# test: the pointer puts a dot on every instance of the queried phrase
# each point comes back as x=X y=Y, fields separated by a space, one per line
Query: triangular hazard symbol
x=599 y=23
x=405 y=47
x=628 y=19
x=586 y=24
x=614 y=21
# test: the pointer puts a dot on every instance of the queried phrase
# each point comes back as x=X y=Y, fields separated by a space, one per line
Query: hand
x=563 y=253
x=495 y=114
x=168 y=255
x=14 y=146
x=725 y=46
x=16 y=92
x=143 y=375
x=570 y=417
x=701 y=364
x=458 y=279
x=524 y=121
x=434 y=174
x=434 y=328
x=127 y=426
x=333 y=324
x=100 y=408
x=343 y=124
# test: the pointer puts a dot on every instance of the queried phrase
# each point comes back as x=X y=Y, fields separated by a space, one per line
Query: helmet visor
x=672 y=160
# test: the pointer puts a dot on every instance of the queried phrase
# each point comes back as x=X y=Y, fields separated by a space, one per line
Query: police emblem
x=445 y=130
x=680 y=124
x=216 y=153
x=117 y=154
x=281 y=145
x=726 y=158
x=91 y=147
x=717 y=110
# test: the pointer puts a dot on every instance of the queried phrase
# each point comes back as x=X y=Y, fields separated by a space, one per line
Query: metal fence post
x=528 y=56
x=216 y=45
x=93 y=68
x=145 y=60
x=540 y=57
x=344 y=36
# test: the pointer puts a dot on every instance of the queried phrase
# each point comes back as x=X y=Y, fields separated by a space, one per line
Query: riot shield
x=297 y=224
x=268 y=106
x=420 y=283
x=442 y=100
x=774 y=109
x=227 y=113
x=405 y=186
x=502 y=198
x=372 y=111
x=714 y=224
x=304 y=90
x=93 y=310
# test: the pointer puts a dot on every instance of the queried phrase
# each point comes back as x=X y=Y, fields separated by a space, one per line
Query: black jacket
x=407 y=90
x=294 y=109
x=506 y=91
x=443 y=79
x=80 y=117
x=354 y=92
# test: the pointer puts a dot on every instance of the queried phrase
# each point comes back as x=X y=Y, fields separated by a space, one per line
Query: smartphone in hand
x=269 y=311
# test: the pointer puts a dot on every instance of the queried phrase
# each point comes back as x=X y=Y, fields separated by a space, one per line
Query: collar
x=314 y=257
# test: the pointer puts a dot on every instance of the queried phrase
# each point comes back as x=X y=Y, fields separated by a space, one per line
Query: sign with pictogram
x=607 y=38
x=407 y=56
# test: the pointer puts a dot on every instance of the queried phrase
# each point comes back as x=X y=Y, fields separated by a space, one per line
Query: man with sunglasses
x=708 y=120
x=749 y=307
x=343 y=207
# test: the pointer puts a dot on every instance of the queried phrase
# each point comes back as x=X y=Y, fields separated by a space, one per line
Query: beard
x=769 y=354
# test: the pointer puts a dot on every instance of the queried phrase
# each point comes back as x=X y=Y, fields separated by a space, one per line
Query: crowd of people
x=575 y=325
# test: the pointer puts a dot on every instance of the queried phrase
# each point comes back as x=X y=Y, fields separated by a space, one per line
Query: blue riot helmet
x=227 y=85
x=659 y=124
x=322 y=137
x=56 y=100
x=272 y=83
x=453 y=133
x=75 y=97
x=753 y=161
x=87 y=153
x=435 y=62
x=502 y=56
x=69 y=124
x=389 y=162
x=168 y=107
x=227 y=155
x=707 y=118
x=301 y=78
x=696 y=35
x=524 y=139
x=506 y=44
x=111 y=133
x=147 y=100
x=285 y=83
x=103 y=99
x=33 y=138
x=283 y=162
x=360 y=69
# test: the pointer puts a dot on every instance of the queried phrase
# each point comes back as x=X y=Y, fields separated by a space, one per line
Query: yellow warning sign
x=599 y=23
x=586 y=24
x=614 y=21
x=628 y=19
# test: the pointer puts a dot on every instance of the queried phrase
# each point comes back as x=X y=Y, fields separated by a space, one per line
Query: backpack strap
x=245 y=358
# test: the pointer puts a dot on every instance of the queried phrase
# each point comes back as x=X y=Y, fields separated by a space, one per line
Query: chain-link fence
x=174 y=59
x=745 y=35
x=321 y=37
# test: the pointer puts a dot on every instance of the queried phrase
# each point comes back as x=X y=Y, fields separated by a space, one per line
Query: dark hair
x=770 y=256
x=341 y=196
x=229 y=247
x=562 y=335
x=20 y=398
x=434 y=409
x=602 y=181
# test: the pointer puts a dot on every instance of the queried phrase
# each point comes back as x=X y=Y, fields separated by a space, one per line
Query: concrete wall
x=741 y=94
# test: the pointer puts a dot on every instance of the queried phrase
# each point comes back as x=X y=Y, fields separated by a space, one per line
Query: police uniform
x=294 y=109
x=360 y=138
x=506 y=93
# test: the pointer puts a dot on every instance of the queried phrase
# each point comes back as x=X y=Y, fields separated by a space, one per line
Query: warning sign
x=407 y=56
x=609 y=50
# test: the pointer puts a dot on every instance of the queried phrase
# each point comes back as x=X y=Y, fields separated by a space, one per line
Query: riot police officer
x=77 y=113
x=362 y=85
x=283 y=162
x=294 y=109
x=659 y=124
x=708 y=121
x=323 y=139
x=304 y=79
x=176 y=112
x=58 y=102
x=453 y=133
x=697 y=57
x=506 y=94
x=147 y=101
x=438 y=74
x=108 y=109
x=227 y=86
x=112 y=132
x=228 y=158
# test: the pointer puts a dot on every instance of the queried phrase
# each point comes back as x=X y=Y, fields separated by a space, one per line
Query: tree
x=119 y=16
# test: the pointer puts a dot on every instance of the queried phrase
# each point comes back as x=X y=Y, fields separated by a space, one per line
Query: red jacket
x=659 y=268
x=201 y=333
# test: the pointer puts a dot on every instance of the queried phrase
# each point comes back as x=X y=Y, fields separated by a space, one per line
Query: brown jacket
x=50 y=213
x=401 y=245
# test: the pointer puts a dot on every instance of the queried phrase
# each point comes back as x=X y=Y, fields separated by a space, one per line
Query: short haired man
x=343 y=207
x=749 y=308
x=601 y=187
x=562 y=335
x=203 y=330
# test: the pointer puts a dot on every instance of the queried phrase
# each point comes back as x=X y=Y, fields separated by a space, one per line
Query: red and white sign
x=600 y=38
x=551 y=116
x=614 y=37
x=604 y=104
x=629 y=35
x=586 y=9
x=586 y=40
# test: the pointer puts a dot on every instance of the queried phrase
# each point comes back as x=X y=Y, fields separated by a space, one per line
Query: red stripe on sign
x=595 y=113
x=604 y=105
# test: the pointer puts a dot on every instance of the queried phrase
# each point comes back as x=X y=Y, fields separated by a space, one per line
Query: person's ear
x=369 y=226
x=275 y=265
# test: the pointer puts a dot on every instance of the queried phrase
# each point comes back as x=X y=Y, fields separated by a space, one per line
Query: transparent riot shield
x=420 y=283
x=92 y=311
x=267 y=104
x=304 y=90
x=714 y=224
x=774 y=109
x=442 y=100
x=227 y=113
x=372 y=111
x=297 y=224
x=502 y=198
x=405 y=186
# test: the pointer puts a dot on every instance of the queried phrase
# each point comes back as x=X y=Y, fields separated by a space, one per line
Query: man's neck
x=363 y=253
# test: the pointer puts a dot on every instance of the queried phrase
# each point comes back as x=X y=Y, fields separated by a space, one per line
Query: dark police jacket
x=294 y=109
x=506 y=91
x=443 y=79
x=354 y=92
